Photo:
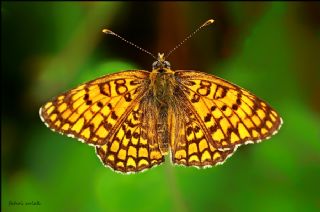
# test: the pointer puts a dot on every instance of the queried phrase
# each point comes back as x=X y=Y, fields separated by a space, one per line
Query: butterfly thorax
x=162 y=83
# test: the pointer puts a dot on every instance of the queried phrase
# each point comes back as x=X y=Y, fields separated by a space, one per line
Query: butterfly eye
x=155 y=65
x=167 y=64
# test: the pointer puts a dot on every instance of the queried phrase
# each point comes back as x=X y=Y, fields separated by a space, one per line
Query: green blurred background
x=269 y=48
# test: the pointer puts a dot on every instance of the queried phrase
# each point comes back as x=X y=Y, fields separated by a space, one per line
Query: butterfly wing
x=93 y=111
x=230 y=114
x=190 y=144
x=130 y=148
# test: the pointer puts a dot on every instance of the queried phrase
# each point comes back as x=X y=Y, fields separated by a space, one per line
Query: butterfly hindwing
x=130 y=149
x=230 y=114
x=190 y=145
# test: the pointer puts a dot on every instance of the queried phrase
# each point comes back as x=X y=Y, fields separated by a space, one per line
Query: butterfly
x=134 y=118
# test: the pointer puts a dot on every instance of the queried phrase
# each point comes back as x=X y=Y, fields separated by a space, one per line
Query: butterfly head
x=161 y=63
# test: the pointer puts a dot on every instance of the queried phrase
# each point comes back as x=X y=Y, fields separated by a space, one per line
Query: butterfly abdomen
x=162 y=130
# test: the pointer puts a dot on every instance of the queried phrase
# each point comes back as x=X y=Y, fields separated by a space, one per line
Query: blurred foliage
x=269 y=48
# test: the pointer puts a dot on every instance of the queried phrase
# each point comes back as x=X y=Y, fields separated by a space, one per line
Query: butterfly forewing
x=91 y=112
x=229 y=114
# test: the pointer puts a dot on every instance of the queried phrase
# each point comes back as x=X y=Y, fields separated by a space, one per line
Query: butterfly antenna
x=207 y=23
x=109 y=32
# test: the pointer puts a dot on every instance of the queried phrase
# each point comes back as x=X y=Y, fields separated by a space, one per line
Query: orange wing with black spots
x=93 y=111
x=231 y=115
x=130 y=149
x=191 y=146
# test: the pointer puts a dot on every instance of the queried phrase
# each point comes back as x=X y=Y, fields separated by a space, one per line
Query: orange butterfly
x=135 y=118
